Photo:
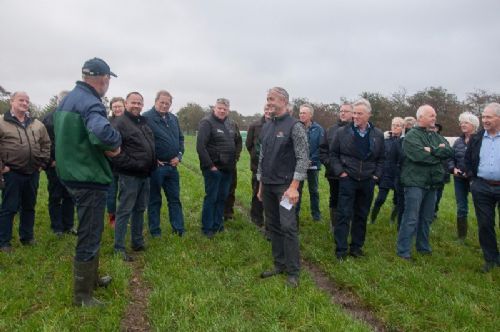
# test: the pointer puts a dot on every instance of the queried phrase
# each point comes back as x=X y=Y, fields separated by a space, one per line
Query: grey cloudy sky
x=201 y=50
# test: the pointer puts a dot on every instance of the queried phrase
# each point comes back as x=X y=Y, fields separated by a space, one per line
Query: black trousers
x=282 y=224
x=486 y=198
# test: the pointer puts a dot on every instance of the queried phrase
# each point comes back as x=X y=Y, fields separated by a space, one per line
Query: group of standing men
x=145 y=150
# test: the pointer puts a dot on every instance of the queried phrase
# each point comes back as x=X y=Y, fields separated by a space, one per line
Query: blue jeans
x=112 y=193
x=417 y=217
x=132 y=202
x=462 y=189
x=217 y=185
x=312 y=182
x=61 y=206
x=166 y=177
x=355 y=198
x=90 y=206
x=486 y=199
x=19 y=194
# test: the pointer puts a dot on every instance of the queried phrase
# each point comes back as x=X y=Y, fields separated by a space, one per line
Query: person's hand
x=343 y=174
x=259 y=192
x=457 y=172
x=292 y=194
x=213 y=169
x=5 y=169
x=174 y=162
x=442 y=145
x=53 y=164
x=375 y=178
x=426 y=148
x=112 y=153
x=160 y=163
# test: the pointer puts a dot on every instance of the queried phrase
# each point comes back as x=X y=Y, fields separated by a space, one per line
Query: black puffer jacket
x=459 y=150
x=346 y=157
x=137 y=156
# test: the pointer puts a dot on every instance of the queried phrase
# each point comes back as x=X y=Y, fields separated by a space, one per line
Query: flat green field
x=197 y=284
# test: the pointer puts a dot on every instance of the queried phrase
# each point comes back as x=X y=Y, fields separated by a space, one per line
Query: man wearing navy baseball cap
x=84 y=140
x=96 y=67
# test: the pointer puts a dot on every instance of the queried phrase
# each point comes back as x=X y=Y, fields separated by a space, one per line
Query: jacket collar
x=10 y=118
x=89 y=87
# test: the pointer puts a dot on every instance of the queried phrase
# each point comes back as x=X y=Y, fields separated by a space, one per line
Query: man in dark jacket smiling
x=357 y=157
x=134 y=165
x=169 y=147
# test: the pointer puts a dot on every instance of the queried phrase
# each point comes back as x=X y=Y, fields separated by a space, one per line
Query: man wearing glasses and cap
x=84 y=141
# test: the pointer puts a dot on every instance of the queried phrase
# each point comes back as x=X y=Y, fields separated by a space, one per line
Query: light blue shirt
x=362 y=133
x=489 y=158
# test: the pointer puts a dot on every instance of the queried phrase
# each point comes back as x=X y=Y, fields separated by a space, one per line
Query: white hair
x=363 y=102
x=495 y=107
x=470 y=118
x=309 y=107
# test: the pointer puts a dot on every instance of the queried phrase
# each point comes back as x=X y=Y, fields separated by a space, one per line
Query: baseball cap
x=96 y=67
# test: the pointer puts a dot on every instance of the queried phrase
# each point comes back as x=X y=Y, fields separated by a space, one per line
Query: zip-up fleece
x=24 y=149
x=421 y=168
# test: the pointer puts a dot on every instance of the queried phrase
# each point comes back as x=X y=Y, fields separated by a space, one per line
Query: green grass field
x=197 y=284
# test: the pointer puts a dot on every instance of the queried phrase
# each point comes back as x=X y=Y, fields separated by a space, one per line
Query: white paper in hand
x=286 y=203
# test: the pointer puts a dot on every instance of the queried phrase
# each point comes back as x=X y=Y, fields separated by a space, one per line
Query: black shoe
x=28 y=243
x=209 y=235
x=139 y=248
x=124 y=256
x=341 y=257
x=7 y=249
x=271 y=273
x=357 y=253
x=406 y=258
x=488 y=266
x=292 y=281
x=178 y=233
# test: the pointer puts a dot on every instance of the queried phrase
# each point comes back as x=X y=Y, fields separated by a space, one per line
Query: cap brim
x=112 y=74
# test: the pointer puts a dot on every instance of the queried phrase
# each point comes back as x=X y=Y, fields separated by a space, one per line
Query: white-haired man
x=481 y=160
x=357 y=158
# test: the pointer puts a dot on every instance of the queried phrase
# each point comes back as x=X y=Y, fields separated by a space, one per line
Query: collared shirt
x=489 y=157
x=362 y=133
x=23 y=123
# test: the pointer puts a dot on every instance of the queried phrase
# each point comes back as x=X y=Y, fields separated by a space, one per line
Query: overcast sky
x=204 y=49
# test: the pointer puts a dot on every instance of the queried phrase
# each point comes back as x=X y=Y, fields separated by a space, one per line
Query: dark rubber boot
x=100 y=281
x=84 y=281
x=461 y=228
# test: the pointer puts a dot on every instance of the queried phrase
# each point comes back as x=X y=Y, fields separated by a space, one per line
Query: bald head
x=19 y=103
x=426 y=116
